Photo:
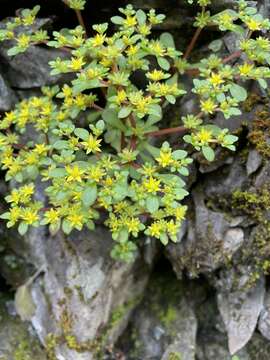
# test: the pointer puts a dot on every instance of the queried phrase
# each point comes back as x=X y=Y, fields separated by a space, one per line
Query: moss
x=96 y=346
x=256 y=204
x=175 y=356
x=260 y=132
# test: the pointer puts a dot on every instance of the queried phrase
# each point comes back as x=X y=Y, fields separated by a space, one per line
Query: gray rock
x=162 y=327
x=209 y=242
x=264 y=321
x=84 y=293
x=30 y=69
x=240 y=311
x=16 y=339
x=254 y=161
x=7 y=96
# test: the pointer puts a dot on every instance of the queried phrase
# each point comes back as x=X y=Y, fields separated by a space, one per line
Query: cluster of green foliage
x=91 y=145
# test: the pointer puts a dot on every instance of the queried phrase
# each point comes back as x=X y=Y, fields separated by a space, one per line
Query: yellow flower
x=41 y=149
x=204 y=136
x=208 y=106
x=76 y=63
x=172 y=228
x=151 y=185
x=52 y=216
x=74 y=173
x=156 y=48
x=133 y=225
x=121 y=97
x=15 y=197
x=130 y=21
x=165 y=158
x=155 y=229
x=132 y=50
x=253 y=25
x=30 y=216
x=180 y=213
x=216 y=79
x=23 y=40
x=92 y=144
x=98 y=40
x=31 y=158
x=96 y=173
x=14 y=214
x=245 y=69
x=156 y=75
x=76 y=220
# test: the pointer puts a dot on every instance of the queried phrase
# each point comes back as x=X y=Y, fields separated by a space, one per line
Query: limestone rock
x=16 y=342
x=240 y=311
x=85 y=298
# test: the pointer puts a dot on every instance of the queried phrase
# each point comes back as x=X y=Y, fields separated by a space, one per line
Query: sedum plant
x=92 y=144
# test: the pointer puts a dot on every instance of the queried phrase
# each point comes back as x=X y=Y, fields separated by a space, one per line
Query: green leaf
x=66 y=227
x=89 y=195
x=24 y=304
x=141 y=17
x=238 y=92
x=167 y=40
x=81 y=133
x=122 y=236
x=22 y=228
x=111 y=118
x=208 y=153
x=164 y=239
x=61 y=144
x=152 y=204
x=262 y=83
x=124 y=112
x=163 y=63
x=118 y=20
x=179 y=154
x=215 y=45
x=170 y=98
x=57 y=173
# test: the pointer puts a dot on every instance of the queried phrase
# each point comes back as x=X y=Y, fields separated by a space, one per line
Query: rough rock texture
x=240 y=310
x=82 y=292
x=164 y=325
x=83 y=301
x=16 y=341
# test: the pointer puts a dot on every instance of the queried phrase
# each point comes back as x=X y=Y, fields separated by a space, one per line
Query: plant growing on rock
x=92 y=144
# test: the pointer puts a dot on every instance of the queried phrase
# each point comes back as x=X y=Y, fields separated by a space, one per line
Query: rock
x=7 y=96
x=218 y=185
x=240 y=310
x=85 y=298
x=210 y=240
x=264 y=321
x=254 y=161
x=16 y=342
x=30 y=69
x=162 y=327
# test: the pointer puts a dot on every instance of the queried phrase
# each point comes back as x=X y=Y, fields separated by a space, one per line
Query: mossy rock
x=16 y=342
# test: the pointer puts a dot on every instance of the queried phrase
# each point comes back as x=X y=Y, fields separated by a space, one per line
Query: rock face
x=85 y=298
x=16 y=342
x=164 y=326
x=83 y=305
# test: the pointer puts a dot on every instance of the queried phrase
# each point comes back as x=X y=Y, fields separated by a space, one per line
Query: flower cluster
x=87 y=142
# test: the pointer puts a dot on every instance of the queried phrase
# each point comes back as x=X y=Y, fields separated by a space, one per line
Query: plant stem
x=192 y=43
x=234 y=55
x=81 y=21
x=174 y=130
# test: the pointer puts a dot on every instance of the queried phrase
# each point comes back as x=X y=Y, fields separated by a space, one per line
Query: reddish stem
x=174 y=130
x=192 y=43
x=234 y=55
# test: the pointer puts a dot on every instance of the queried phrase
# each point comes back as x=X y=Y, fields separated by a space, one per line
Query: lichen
x=174 y=356
x=256 y=204
x=260 y=132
